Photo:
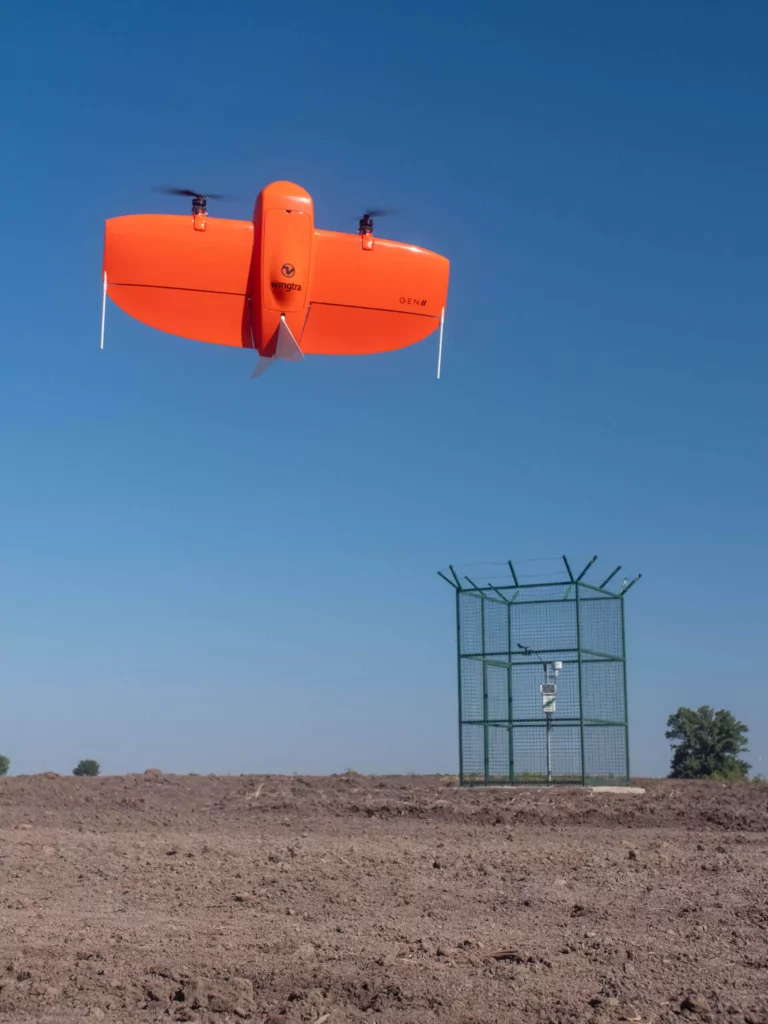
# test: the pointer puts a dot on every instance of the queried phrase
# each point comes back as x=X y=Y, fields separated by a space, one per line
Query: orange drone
x=277 y=283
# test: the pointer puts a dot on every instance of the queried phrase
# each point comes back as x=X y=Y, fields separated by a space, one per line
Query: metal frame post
x=485 y=693
x=458 y=664
x=624 y=672
x=581 y=687
x=511 y=731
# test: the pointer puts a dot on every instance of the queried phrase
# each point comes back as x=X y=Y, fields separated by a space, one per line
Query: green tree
x=87 y=767
x=705 y=744
x=5 y=764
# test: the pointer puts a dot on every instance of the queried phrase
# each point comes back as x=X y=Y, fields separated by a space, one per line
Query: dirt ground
x=285 y=900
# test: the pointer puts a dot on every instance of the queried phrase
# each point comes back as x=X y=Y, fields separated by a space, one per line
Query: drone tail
x=285 y=348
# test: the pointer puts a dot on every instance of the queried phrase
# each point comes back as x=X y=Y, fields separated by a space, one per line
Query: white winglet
x=287 y=349
x=104 y=309
x=440 y=344
x=261 y=367
x=287 y=346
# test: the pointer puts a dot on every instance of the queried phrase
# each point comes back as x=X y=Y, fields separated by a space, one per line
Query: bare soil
x=166 y=898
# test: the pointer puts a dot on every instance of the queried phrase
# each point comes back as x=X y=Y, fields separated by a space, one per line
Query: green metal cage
x=542 y=680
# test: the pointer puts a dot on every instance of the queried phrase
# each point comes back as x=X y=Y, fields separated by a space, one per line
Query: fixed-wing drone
x=275 y=284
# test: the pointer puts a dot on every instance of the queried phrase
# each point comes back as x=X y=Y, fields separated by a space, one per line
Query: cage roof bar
x=567 y=566
x=443 y=576
x=477 y=589
x=586 y=568
x=628 y=586
x=530 y=586
x=597 y=590
x=514 y=574
x=608 y=579
x=511 y=586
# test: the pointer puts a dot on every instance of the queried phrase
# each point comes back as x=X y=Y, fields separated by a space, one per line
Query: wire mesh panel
x=498 y=754
x=600 y=624
x=605 y=755
x=542 y=682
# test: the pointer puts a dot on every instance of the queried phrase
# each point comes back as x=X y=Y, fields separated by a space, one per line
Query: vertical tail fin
x=286 y=349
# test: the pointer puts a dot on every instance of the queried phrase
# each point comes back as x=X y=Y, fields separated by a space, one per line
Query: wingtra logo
x=286 y=286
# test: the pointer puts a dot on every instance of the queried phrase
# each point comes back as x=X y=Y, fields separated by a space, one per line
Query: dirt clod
x=695 y=1004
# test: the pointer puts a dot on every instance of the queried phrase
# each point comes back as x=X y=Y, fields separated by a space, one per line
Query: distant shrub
x=706 y=744
x=5 y=764
x=87 y=767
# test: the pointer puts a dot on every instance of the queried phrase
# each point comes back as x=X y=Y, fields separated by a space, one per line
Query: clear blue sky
x=202 y=572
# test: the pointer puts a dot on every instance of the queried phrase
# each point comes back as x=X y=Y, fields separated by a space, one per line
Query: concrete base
x=618 y=790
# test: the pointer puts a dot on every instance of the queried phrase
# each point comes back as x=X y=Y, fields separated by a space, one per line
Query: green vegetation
x=705 y=744
x=5 y=764
x=88 y=767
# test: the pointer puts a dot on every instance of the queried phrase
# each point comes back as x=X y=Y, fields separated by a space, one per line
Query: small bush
x=87 y=767
x=705 y=744
x=5 y=764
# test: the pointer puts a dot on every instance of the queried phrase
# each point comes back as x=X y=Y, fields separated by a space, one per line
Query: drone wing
x=190 y=283
x=196 y=284
x=365 y=301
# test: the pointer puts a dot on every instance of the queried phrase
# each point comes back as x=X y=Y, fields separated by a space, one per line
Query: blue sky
x=205 y=573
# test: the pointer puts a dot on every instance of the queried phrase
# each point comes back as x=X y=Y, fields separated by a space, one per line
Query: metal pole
x=486 y=762
x=581 y=690
x=511 y=744
x=630 y=585
x=549 y=733
x=458 y=665
x=547 y=715
x=497 y=591
x=586 y=568
x=624 y=671
x=608 y=579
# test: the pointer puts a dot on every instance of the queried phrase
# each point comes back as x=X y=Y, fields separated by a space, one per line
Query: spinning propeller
x=199 y=199
x=366 y=221
x=187 y=192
